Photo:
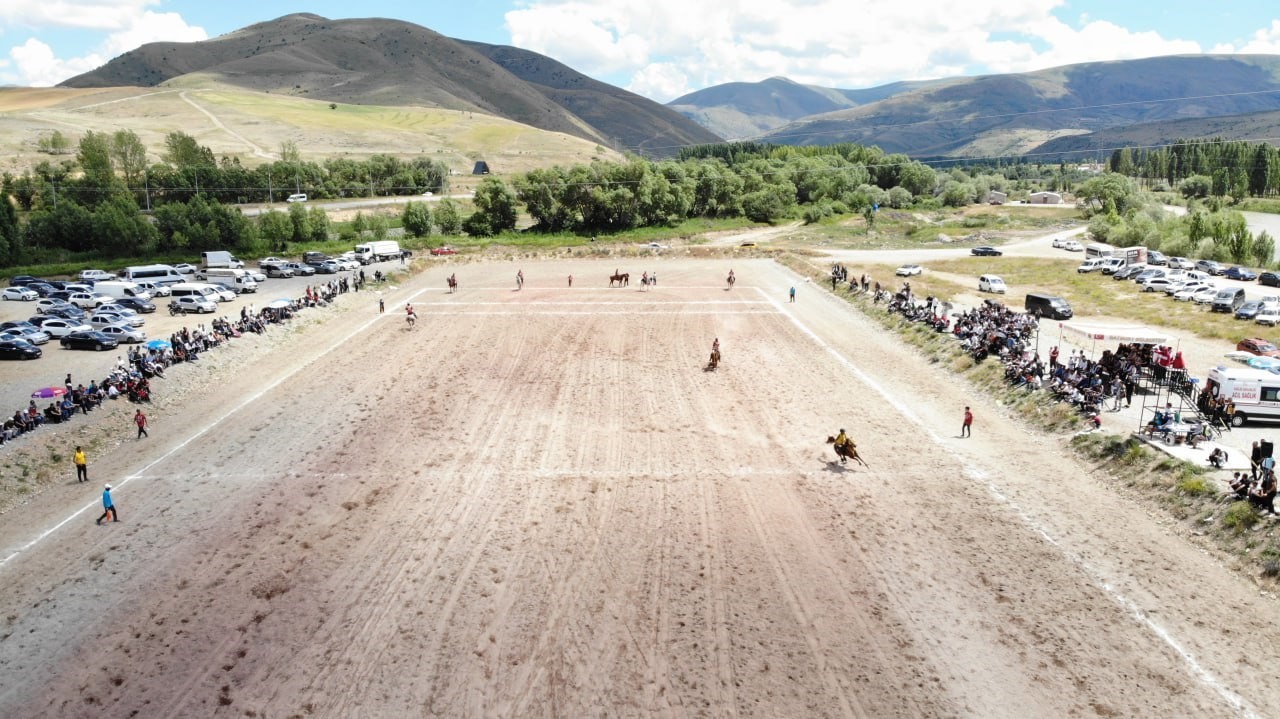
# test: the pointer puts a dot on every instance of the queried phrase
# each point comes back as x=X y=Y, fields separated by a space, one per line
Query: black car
x=986 y=252
x=18 y=323
x=89 y=341
x=64 y=295
x=18 y=350
x=135 y=304
x=1270 y=279
x=21 y=280
x=42 y=288
x=66 y=312
x=1129 y=272
x=1248 y=310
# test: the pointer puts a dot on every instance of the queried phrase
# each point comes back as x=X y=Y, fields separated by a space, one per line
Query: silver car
x=124 y=333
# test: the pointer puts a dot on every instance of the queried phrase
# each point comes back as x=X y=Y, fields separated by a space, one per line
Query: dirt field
x=537 y=503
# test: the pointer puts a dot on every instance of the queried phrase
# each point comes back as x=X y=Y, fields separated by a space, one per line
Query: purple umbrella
x=48 y=392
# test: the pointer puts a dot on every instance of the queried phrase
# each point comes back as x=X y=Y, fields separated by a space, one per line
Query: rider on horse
x=408 y=310
x=844 y=445
x=715 y=346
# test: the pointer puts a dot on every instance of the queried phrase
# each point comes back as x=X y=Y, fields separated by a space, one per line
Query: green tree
x=495 y=209
x=448 y=218
x=1195 y=187
x=95 y=161
x=416 y=219
x=182 y=151
x=130 y=156
x=275 y=229
x=1264 y=249
x=318 y=220
x=300 y=221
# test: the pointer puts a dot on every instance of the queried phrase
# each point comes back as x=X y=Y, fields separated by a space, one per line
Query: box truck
x=238 y=279
x=378 y=250
x=120 y=288
x=219 y=258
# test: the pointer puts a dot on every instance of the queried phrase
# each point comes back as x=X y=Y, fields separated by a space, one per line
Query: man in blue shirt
x=108 y=507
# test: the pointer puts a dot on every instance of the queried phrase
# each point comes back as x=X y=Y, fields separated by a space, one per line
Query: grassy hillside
x=252 y=125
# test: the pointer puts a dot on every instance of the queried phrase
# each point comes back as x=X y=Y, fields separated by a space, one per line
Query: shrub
x=1240 y=516
x=1195 y=486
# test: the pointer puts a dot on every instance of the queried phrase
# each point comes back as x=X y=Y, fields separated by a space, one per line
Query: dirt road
x=537 y=503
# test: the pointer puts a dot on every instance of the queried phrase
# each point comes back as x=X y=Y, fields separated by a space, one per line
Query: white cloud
x=827 y=42
x=1264 y=42
x=127 y=25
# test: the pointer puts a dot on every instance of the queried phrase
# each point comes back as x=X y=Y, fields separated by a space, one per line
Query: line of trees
x=1204 y=168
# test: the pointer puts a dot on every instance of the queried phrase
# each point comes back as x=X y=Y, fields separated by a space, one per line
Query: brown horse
x=622 y=278
x=714 y=362
x=847 y=452
x=453 y=283
x=731 y=280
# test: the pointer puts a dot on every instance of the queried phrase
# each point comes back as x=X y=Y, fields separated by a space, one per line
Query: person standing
x=82 y=465
x=1255 y=460
x=140 y=419
x=382 y=306
x=793 y=294
x=966 y=429
x=519 y=279
x=571 y=280
x=108 y=506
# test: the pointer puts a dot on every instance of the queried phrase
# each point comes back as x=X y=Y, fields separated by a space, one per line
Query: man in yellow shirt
x=82 y=465
x=843 y=443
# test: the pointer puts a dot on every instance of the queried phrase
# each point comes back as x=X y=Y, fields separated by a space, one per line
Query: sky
x=665 y=48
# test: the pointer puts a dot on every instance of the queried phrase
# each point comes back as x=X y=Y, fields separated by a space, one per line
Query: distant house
x=482 y=168
x=1044 y=198
x=996 y=197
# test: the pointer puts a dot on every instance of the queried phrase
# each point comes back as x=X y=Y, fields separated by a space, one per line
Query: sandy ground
x=537 y=503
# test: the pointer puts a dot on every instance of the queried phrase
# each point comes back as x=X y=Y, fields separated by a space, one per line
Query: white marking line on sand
x=588 y=303
x=531 y=312
x=198 y=433
x=633 y=288
x=978 y=474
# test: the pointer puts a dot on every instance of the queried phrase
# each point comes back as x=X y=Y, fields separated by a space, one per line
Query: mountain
x=1015 y=113
x=377 y=61
x=1253 y=127
x=741 y=110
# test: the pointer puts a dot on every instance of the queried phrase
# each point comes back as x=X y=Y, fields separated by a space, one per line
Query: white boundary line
x=561 y=313
x=589 y=303
x=977 y=473
x=631 y=288
x=199 y=433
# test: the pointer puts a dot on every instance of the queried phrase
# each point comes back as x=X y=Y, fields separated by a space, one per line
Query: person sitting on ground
x=1217 y=457
x=1240 y=486
x=1263 y=496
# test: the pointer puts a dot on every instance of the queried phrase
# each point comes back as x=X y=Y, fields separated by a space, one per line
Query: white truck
x=120 y=288
x=239 y=279
x=1255 y=392
x=220 y=258
x=377 y=250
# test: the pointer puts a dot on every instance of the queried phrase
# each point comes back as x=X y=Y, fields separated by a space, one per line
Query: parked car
x=1258 y=346
x=10 y=324
x=1156 y=259
x=443 y=250
x=984 y=251
x=34 y=335
x=103 y=319
x=256 y=275
x=1155 y=284
x=280 y=270
x=328 y=267
x=135 y=304
x=1184 y=292
x=68 y=312
x=1148 y=273
x=155 y=289
x=88 y=340
x=991 y=283
x=300 y=269
x=1130 y=272
x=134 y=318
x=1269 y=279
x=1059 y=242
x=1073 y=246
x=58 y=327
x=16 y=349
x=185 y=268
x=1268 y=314
x=1240 y=273
x=42 y=288
x=191 y=303
x=1248 y=310
x=88 y=300
x=1210 y=267
x=1205 y=295
x=124 y=334
x=21 y=280
x=909 y=270
x=1112 y=265
x=21 y=294
x=1181 y=263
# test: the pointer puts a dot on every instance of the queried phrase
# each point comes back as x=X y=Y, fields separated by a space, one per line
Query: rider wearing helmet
x=715 y=346
x=843 y=441
x=408 y=309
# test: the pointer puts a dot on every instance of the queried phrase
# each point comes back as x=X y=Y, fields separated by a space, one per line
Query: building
x=1044 y=198
x=996 y=197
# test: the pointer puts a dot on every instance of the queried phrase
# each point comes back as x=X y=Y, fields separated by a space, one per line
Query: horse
x=731 y=280
x=453 y=283
x=714 y=362
x=622 y=278
x=411 y=320
x=847 y=452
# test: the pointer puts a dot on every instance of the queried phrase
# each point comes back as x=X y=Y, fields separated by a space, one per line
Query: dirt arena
x=538 y=504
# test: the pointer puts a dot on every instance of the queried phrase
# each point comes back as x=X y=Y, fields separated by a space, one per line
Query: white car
x=991 y=283
x=256 y=275
x=30 y=334
x=22 y=294
x=222 y=293
x=1155 y=284
x=185 y=268
x=88 y=300
x=1060 y=242
x=192 y=303
x=96 y=275
x=155 y=289
x=1176 y=286
x=1204 y=295
x=102 y=319
x=1072 y=246
x=909 y=270
x=58 y=327
x=658 y=246
x=1269 y=315
x=1185 y=292
x=124 y=333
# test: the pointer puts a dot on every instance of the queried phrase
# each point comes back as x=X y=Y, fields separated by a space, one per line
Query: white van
x=991 y=283
x=119 y=288
x=195 y=289
x=1091 y=264
x=158 y=274
x=1255 y=392
x=299 y=197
